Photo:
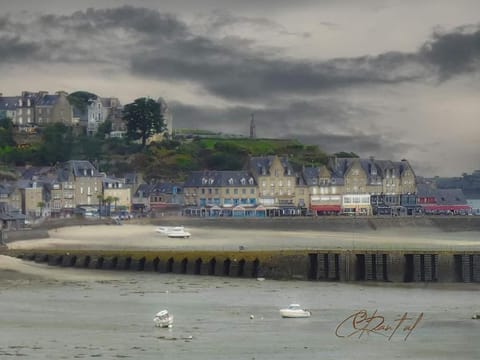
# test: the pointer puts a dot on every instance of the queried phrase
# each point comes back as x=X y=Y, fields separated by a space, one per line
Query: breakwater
x=335 y=265
x=414 y=249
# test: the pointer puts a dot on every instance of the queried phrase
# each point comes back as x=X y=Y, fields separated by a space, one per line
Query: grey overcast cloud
x=389 y=79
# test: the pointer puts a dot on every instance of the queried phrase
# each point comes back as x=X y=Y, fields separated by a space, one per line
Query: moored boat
x=295 y=311
x=167 y=229
x=163 y=319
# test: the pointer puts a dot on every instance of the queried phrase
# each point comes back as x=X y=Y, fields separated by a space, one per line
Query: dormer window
x=243 y=181
x=210 y=181
x=230 y=181
x=204 y=181
x=250 y=181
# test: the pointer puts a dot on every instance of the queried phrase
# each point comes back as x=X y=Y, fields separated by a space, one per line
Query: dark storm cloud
x=139 y=20
x=151 y=44
x=17 y=50
x=244 y=75
x=454 y=53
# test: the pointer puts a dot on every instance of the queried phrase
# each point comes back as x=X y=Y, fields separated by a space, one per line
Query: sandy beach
x=131 y=236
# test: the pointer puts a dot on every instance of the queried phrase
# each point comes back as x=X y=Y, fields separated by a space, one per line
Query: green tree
x=41 y=205
x=101 y=201
x=108 y=201
x=57 y=143
x=104 y=129
x=6 y=132
x=344 y=154
x=115 y=200
x=79 y=99
x=144 y=119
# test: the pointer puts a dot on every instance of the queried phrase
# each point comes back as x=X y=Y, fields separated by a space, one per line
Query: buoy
x=251 y=316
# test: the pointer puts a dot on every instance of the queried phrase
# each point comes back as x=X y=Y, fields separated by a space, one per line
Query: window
x=227 y=191
x=243 y=181
x=230 y=181
x=235 y=191
x=250 y=181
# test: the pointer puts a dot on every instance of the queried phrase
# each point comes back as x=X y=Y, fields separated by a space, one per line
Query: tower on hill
x=253 y=134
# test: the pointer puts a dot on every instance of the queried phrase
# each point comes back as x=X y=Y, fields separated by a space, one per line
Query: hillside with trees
x=170 y=158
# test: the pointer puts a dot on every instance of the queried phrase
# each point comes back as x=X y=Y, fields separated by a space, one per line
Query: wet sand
x=63 y=313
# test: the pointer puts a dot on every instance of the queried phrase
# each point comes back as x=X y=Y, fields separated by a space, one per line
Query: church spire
x=253 y=134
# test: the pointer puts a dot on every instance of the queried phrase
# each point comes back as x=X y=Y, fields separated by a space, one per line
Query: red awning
x=337 y=208
x=446 y=207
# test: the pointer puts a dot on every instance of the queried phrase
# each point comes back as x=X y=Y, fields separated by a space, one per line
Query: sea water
x=111 y=317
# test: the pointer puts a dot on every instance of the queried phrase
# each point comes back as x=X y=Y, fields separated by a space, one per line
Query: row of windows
x=229 y=201
x=216 y=191
x=243 y=181
x=279 y=192
x=279 y=183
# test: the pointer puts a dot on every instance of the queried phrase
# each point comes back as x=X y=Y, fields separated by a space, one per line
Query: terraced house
x=36 y=108
x=221 y=193
x=277 y=185
x=78 y=183
x=361 y=186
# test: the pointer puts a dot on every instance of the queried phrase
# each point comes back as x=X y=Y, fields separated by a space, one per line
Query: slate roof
x=9 y=102
x=7 y=188
x=425 y=190
x=79 y=168
x=161 y=188
x=450 y=197
x=220 y=179
x=47 y=100
x=166 y=188
x=261 y=164
x=143 y=190
x=310 y=174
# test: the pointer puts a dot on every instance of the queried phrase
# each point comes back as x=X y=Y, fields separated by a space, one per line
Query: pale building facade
x=120 y=196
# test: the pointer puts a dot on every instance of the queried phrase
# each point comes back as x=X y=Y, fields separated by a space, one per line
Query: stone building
x=276 y=183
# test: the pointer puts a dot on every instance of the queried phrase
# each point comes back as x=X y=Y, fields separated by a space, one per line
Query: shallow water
x=112 y=319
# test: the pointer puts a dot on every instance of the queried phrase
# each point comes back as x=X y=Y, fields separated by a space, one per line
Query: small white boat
x=178 y=233
x=166 y=229
x=295 y=311
x=163 y=319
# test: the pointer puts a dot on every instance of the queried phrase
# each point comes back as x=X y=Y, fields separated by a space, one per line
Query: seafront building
x=222 y=193
x=348 y=186
x=269 y=186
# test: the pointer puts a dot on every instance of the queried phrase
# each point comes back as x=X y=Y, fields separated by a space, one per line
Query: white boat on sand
x=295 y=311
x=166 y=229
x=178 y=233
x=163 y=319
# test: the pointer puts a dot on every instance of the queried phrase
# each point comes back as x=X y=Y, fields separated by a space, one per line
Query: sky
x=392 y=79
